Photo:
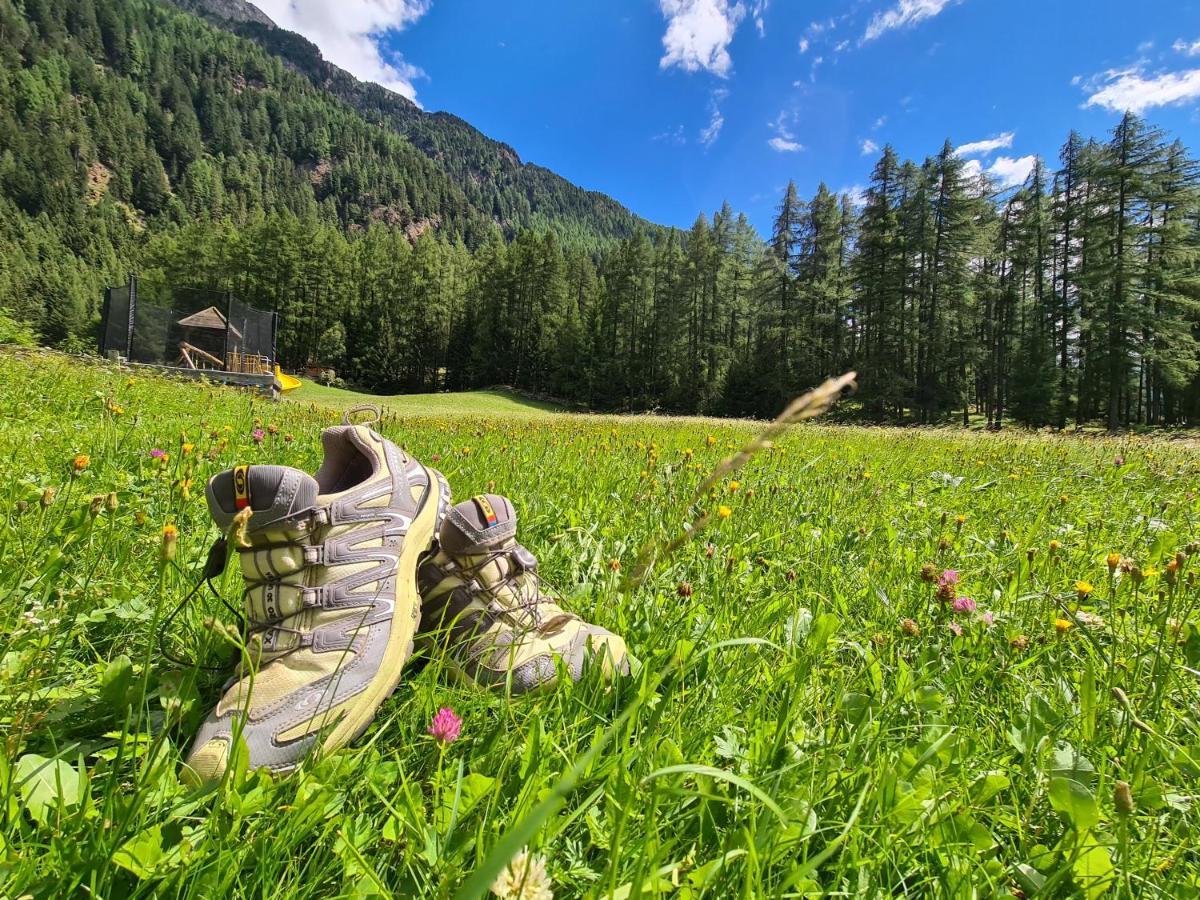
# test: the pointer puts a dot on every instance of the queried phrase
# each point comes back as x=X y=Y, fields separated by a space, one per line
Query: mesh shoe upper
x=330 y=595
x=483 y=599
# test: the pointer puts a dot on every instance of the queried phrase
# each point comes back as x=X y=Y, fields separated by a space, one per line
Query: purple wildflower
x=947 y=585
x=963 y=605
x=157 y=453
x=258 y=434
x=445 y=726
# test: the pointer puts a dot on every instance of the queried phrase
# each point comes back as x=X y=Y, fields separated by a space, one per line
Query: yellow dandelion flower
x=1113 y=560
x=80 y=462
x=733 y=486
x=724 y=512
x=1083 y=588
x=170 y=542
x=1062 y=626
x=188 y=448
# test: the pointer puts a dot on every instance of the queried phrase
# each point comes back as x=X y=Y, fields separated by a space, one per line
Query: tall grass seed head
x=1123 y=798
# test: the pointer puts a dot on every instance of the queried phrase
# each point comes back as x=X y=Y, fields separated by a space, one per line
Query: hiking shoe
x=330 y=566
x=482 y=600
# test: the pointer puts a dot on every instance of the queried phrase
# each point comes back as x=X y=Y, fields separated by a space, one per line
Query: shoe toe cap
x=206 y=763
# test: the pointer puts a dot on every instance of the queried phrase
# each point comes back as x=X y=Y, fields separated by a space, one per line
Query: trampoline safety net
x=188 y=328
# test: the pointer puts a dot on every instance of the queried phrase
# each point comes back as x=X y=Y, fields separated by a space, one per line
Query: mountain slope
x=515 y=194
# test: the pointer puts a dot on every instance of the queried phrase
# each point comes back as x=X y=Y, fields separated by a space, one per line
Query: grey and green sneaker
x=483 y=602
x=330 y=566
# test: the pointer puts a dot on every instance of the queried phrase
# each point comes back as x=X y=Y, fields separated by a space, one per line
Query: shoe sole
x=417 y=542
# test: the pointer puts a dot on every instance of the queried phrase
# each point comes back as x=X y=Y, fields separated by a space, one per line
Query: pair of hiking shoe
x=345 y=572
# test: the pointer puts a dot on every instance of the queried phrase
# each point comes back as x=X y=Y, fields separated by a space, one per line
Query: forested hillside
x=120 y=119
x=134 y=137
x=495 y=180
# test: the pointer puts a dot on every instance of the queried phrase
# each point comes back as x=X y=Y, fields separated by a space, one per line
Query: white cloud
x=984 y=147
x=879 y=123
x=812 y=75
x=350 y=34
x=841 y=45
x=699 y=33
x=784 y=140
x=1006 y=172
x=869 y=147
x=758 y=14
x=672 y=136
x=904 y=14
x=716 y=120
x=1187 y=48
x=1009 y=172
x=857 y=194
x=783 y=145
x=712 y=131
x=1134 y=90
x=803 y=45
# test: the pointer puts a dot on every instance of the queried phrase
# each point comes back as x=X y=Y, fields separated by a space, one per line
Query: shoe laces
x=265 y=623
x=266 y=628
x=523 y=584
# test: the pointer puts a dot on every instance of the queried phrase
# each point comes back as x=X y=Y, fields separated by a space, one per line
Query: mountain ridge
x=483 y=167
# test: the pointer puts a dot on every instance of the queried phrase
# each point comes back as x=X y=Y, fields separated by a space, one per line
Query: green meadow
x=897 y=662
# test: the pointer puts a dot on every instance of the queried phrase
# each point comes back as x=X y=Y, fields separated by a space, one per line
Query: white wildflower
x=524 y=878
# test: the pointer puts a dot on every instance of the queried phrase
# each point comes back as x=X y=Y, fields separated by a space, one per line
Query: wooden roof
x=208 y=318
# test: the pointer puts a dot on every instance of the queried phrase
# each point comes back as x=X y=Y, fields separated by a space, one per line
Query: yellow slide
x=286 y=382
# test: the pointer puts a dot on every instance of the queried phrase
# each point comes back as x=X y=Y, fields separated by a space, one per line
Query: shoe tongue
x=479 y=525
x=271 y=492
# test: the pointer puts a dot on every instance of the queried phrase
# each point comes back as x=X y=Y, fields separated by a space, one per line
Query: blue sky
x=672 y=106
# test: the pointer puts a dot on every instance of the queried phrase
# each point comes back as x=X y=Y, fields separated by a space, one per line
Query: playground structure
x=197 y=333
